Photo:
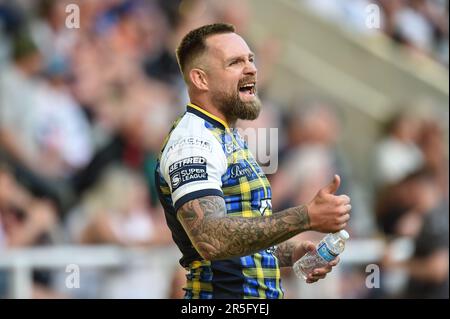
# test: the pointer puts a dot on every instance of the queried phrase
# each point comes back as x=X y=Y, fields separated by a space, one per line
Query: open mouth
x=248 y=88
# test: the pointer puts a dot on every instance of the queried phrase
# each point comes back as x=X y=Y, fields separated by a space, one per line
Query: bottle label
x=325 y=253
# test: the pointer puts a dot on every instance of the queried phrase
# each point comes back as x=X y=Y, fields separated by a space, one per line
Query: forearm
x=25 y=235
x=10 y=144
x=433 y=268
x=284 y=253
x=221 y=236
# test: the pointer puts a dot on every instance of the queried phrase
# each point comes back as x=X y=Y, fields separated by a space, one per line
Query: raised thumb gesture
x=333 y=186
x=327 y=212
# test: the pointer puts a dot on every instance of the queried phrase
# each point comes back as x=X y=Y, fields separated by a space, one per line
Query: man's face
x=231 y=75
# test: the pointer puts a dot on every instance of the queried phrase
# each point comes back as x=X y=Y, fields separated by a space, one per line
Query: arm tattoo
x=218 y=236
x=284 y=253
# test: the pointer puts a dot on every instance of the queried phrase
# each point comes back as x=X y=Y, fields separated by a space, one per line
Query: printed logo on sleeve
x=190 y=169
x=191 y=142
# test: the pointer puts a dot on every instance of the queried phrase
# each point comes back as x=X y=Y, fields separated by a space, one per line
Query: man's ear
x=198 y=79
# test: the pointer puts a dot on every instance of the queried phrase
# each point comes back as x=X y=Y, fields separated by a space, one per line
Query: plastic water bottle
x=327 y=250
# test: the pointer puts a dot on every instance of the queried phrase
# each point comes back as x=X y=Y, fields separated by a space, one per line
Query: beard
x=231 y=105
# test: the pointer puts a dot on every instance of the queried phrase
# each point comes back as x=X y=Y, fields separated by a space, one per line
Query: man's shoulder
x=190 y=132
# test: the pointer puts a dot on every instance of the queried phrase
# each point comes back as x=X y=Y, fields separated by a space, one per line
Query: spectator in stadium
x=429 y=220
x=308 y=159
x=433 y=146
x=420 y=25
x=397 y=154
x=26 y=221
x=117 y=211
x=16 y=106
x=414 y=143
x=310 y=155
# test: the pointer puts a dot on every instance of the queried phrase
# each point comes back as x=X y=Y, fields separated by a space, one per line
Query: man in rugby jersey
x=216 y=198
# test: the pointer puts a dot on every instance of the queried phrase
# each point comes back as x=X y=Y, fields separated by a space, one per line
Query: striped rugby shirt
x=201 y=157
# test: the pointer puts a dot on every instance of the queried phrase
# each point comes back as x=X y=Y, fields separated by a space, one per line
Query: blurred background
x=355 y=87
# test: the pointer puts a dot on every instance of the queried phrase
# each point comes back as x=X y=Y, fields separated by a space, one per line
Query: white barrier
x=163 y=260
x=359 y=252
x=21 y=262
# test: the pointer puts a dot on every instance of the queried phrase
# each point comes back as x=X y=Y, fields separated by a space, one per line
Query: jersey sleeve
x=193 y=166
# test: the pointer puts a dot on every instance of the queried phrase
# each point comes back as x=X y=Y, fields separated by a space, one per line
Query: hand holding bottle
x=308 y=247
x=324 y=255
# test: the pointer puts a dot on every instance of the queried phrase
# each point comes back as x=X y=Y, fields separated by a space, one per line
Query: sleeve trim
x=197 y=194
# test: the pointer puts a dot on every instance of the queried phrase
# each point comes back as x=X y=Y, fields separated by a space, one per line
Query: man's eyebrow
x=250 y=55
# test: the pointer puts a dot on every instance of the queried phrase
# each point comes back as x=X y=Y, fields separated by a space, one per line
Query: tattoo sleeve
x=218 y=236
x=284 y=253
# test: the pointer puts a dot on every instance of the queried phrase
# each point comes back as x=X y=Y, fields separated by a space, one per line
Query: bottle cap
x=343 y=234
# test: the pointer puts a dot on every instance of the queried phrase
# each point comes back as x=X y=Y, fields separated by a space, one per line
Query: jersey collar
x=192 y=108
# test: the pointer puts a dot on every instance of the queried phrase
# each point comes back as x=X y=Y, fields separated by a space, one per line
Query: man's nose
x=250 y=68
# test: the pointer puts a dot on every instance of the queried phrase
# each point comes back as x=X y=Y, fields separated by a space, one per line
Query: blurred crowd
x=419 y=25
x=83 y=114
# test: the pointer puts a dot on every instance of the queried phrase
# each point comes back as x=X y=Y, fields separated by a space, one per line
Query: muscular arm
x=218 y=236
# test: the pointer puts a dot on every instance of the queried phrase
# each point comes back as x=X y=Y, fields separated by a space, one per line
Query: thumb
x=308 y=246
x=334 y=185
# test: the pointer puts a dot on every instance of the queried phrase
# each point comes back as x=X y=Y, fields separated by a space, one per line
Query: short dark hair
x=193 y=43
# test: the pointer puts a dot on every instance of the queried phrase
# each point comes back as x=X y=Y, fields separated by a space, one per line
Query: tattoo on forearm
x=218 y=236
x=284 y=253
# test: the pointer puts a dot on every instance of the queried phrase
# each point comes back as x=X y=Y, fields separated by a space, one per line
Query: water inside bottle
x=308 y=263
x=335 y=245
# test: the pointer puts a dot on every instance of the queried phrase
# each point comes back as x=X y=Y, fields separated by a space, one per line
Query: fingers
x=347 y=208
x=321 y=273
x=343 y=199
x=333 y=186
x=343 y=212
x=340 y=204
x=343 y=219
x=341 y=222
x=314 y=279
x=315 y=276
x=329 y=212
x=334 y=262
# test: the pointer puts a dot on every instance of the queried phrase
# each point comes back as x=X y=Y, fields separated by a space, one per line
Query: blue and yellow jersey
x=201 y=157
